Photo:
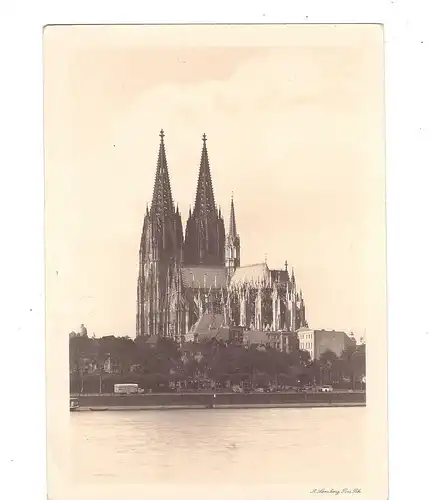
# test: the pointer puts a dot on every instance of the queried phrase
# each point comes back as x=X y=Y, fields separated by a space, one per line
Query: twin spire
x=162 y=204
x=204 y=202
x=205 y=238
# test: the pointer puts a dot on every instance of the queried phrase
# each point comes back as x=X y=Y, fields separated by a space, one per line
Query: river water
x=319 y=447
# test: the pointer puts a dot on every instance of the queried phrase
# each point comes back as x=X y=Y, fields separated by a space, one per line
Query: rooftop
x=206 y=323
x=204 y=277
x=254 y=274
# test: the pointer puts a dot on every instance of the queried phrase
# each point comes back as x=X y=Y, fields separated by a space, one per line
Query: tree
x=298 y=357
x=314 y=371
x=220 y=361
x=80 y=348
x=161 y=358
x=262 y=380
x=239 y=378
x=169 y=347
x=284 y=379
x=358 y=366
x=280 y=363
x=353 y=363
x=304 y=357
x=328 y=362
x=192 y=368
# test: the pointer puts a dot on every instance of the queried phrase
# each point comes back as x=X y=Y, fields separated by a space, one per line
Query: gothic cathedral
x=182 y=277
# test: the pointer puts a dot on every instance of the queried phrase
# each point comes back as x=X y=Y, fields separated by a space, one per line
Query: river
x=317 y=447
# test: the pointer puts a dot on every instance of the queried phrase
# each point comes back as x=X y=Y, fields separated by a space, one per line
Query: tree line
x=96 y=364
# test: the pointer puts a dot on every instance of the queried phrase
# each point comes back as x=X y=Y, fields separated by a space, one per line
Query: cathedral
x=184 y=275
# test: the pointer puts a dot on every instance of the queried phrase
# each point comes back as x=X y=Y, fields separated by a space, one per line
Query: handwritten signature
x=332 y=491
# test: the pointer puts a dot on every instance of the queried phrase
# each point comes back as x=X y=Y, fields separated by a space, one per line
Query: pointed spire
x=162 y=204
x=232 y=221
x=293 y=279
x=204 y=203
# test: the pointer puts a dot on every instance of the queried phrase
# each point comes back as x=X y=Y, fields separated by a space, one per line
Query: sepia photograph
x=215 y=245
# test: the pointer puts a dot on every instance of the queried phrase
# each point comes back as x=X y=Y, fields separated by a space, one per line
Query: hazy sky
x=294 y=119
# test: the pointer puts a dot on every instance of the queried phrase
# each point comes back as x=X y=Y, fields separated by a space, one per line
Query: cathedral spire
x=233 y=245
x=160 y=257
x=204 y=203
x=232 y=221
x=162 y=204
x=204 y=242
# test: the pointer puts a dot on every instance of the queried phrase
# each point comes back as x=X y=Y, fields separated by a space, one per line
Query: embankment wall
x=234 y=399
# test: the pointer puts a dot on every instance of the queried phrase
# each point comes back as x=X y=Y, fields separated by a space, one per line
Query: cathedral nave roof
x=204 y=277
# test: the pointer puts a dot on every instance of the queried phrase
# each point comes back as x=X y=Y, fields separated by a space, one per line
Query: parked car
x=326 y=388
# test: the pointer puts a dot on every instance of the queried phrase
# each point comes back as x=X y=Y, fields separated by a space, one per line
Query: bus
x=126 y=388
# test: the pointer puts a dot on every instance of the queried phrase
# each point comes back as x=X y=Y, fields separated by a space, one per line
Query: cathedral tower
x=159 y=283
x=205 y=233
x=233 y=247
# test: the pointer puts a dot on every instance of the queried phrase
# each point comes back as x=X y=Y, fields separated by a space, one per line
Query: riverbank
x=221 y=407
x=177 y=401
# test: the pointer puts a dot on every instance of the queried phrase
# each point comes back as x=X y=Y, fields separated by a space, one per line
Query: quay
x=226 y=407
x=195 y=400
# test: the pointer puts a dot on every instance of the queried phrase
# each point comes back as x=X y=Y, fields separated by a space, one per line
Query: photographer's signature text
x=332 y=491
